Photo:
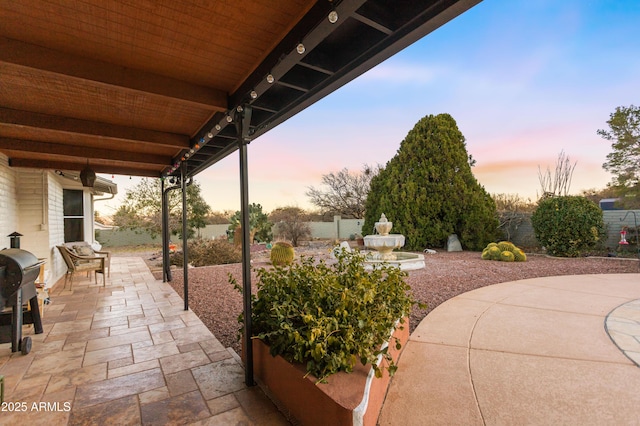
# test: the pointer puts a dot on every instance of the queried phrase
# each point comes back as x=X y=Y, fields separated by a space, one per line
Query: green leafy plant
x=568 y=226
x=330 y=316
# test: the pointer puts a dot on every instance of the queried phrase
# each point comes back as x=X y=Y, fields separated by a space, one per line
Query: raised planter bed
x=347 y=399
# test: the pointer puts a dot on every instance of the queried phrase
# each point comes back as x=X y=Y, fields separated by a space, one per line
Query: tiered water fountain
x=383 y=245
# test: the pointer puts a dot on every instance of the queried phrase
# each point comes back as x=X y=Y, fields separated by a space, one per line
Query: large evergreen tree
x=429 y=192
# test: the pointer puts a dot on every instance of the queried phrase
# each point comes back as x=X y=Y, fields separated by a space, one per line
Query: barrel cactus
x=282 y=254
x=494 y=253
x=519 y=255
x=504 y=251
x=507 y=256
x=506 y=246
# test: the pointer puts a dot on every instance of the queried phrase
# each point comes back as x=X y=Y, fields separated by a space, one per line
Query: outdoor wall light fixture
x=88 y=176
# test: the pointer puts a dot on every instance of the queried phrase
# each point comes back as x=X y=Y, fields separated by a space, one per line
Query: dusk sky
x=523 y=79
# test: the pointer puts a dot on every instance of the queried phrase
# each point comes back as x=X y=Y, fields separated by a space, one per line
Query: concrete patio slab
x=537 y=351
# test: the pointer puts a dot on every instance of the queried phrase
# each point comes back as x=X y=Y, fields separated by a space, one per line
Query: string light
x=300 y=48
x=270 y=78
x=333 y=16
x=253 y=94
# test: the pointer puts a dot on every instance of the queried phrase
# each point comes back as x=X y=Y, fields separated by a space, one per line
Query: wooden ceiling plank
x=84 y=127
x=33 y=56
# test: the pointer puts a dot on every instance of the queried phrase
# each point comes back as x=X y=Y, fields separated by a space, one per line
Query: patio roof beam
x=86 y=152
x=14 y=121
x=27 y=55
x=141 y=170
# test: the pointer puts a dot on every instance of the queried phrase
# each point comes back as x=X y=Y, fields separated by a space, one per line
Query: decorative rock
x=338 y=249
x=453 y=243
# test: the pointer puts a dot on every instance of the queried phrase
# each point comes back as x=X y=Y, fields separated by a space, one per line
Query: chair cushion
x=82 y=250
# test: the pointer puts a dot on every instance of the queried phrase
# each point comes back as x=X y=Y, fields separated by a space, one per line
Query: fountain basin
x=403 y=260
x=384 y=245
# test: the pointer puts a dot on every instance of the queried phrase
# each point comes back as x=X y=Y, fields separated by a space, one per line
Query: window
x=73 y=212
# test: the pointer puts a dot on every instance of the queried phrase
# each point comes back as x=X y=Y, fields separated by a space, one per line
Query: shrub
x=568 y=226
x=209 y=252
x=330 y=316
x=282 y=253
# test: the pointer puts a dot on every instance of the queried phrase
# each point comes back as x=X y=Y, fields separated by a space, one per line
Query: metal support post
x=243 y=120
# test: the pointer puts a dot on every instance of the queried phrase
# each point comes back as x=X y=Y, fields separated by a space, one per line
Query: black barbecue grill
x=18 y=272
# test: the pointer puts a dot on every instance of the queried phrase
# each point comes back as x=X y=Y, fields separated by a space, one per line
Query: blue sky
x=523 y=79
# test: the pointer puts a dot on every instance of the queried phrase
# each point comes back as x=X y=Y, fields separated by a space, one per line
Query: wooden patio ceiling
x=139 y=87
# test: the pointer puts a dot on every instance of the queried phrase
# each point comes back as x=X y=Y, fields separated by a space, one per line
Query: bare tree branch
x=344 y=193
x=560 y=182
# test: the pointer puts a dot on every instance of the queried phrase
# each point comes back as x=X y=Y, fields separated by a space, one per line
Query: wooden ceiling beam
x=84 y=127
x=143 y=171
x=41 y=58
x=8 y=144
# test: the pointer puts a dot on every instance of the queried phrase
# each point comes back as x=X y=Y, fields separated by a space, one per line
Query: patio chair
x=76 y=263
x=83 y=248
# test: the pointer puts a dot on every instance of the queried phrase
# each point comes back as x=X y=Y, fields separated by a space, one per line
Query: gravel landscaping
x=446 y=275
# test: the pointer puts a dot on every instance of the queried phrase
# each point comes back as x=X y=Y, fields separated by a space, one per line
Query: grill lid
x=22 y=258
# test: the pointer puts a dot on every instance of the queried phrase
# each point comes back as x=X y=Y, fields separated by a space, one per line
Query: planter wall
x=347 y=399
